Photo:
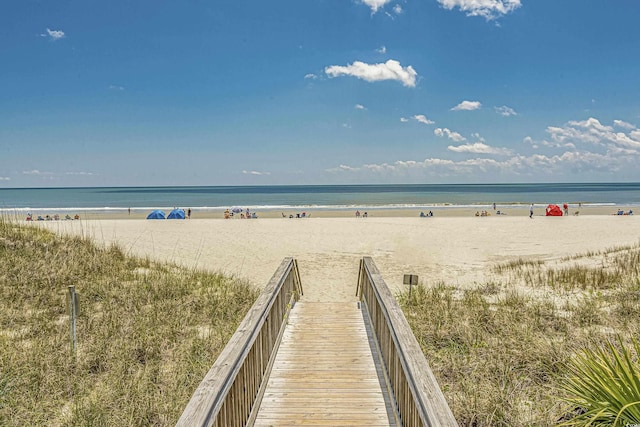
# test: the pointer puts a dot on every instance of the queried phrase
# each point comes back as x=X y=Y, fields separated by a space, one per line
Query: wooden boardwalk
x=293 y=362
x=326 y=371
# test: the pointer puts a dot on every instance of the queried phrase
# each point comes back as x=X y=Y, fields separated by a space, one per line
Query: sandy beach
x=457 y=250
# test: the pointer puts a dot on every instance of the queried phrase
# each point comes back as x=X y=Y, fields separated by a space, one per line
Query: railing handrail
x=429 y=401
x=209 y=397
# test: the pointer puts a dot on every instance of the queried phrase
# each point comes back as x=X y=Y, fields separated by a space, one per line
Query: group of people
x=298 y=215
x=55 y=217
x=424 y=215
x=364 y=215
x=248 y=215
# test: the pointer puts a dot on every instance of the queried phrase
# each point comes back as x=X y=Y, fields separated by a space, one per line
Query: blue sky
x=241 y=92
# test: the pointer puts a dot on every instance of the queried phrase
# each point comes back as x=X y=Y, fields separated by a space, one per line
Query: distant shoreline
x=320 y=199
x=346 y=212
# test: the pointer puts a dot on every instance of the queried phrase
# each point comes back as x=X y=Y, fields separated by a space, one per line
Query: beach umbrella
x=176 y=214
x=236 y=209
x=157 y=214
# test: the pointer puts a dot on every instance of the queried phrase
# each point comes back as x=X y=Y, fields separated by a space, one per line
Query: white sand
x=457 y=250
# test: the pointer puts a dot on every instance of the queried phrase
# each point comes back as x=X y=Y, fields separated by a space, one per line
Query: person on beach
x=566 y=209
x=189 y=213
x=531 y=211
x=357 y=214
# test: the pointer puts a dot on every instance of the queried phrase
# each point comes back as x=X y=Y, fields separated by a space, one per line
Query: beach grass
x=504 y=351
x=146 y=332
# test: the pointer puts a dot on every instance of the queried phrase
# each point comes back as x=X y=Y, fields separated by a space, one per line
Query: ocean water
x=317 y=196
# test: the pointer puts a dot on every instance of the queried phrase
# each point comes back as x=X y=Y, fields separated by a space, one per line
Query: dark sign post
x=74 y=308
x=410 y=279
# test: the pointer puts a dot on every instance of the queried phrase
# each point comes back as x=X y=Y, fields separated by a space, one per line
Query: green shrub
x=602 y=385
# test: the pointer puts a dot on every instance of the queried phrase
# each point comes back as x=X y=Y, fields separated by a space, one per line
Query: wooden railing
x=418 y=398
x=226 y=396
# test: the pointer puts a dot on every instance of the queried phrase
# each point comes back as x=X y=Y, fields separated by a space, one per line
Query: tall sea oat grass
x=501 y=355
x=147 y=332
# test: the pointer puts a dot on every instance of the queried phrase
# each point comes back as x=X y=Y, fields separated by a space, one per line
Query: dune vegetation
x=516 y=351
x=146 y=332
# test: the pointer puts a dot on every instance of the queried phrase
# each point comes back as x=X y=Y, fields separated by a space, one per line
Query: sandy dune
x=457 y=250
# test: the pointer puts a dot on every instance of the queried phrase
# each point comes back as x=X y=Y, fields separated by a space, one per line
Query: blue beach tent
x=176 y=214
x=157 y=214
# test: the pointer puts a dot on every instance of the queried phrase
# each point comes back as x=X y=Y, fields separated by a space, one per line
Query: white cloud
x=477 y=136
x=36 y=172
x=344 y=168
x=397 y=9
x=375 y=4
x=588 y=148
x=255 y=173
x=488 y=9
x=593 y=132
x=390 y=70
x=382 y=49
x=479 y=148
x=624 y=125
x=310 y=76
x=517 y=165
x=423 y=119
x=360 y=107
x=467 y=106
x=554 y=144
x=116 y=87
x=454 y=136
x=80 y=173
x=5 y=178
x=55 y=175
x=54 y=34
x=505 y=111
x=404 y=119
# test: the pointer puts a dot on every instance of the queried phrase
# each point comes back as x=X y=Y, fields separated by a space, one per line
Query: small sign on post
x=410 y=279
x=74 y=309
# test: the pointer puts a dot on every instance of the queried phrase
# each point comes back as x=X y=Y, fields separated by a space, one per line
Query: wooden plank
x=324 y=372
